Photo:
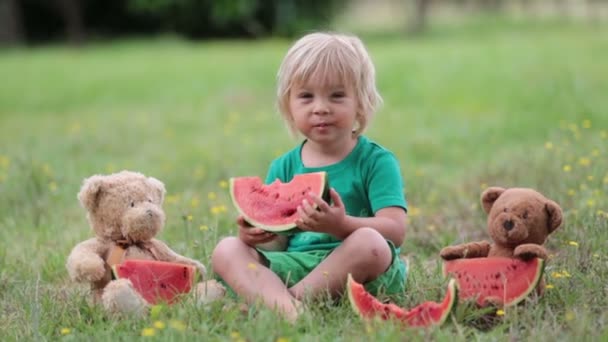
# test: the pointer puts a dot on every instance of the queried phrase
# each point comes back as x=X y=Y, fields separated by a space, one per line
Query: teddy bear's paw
x=452 y=252
x=529 y=251
x=120 y=297
x=209 y=291
x=88 y=270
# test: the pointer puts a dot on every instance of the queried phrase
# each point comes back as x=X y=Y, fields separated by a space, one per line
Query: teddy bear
x=519 y=222
x=125 y=211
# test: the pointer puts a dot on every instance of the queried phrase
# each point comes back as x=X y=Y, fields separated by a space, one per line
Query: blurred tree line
x=78 y=20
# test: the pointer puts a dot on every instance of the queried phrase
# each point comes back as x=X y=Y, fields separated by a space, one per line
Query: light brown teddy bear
x=125 y=211
x=519 y=221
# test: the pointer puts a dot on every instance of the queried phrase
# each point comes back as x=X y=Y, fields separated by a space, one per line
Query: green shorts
x=292 y=267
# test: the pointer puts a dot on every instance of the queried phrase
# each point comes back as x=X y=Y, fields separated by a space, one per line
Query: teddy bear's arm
x=85 y=263
x=164 y=253
x=467 y=250
x=530 y=250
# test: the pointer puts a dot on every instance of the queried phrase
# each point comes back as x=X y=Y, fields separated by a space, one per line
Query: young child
x=327 y=93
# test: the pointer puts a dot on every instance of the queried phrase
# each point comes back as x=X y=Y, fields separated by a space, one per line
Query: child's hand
x=324 y=218
x=251 y=235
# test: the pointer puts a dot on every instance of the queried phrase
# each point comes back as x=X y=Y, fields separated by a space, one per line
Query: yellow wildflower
x=500 y=312
x=604 y=134
x=203 y=228
x=565 y=274
x=595 y=152
x=584 y=161
x=605 y=180
x=549 y=145
x=223 y=184
x=413 y=211
x=590 y=202
x=282 y=339
x=177 y=325
x=590 y=178
x=189 y=217
x=573 y=243
x=4 y=162
x=571 y=192
x=569 y=316
x=53 y=186
x=549 y=286
x=235 y=335
x=419 y=173
x=65 y=331
x=483 y=186
x=172 y=199
x=160 y=325
x=567 y=168
x=586 y=123
x=194 y=202
x=556 y=275
x=211 y=196
x=147 y=332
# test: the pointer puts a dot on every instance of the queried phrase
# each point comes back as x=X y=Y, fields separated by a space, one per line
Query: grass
x=511 y=107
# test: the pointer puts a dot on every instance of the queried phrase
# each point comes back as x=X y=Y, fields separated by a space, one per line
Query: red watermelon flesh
x=423 y=315
x=497 y=281
x=273 y=207
x=157 y=281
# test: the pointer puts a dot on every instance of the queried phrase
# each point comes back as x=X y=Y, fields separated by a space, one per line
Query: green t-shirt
x=368 y=179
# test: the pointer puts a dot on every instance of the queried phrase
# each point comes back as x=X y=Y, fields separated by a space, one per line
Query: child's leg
x=364 y=253
x=241 y=267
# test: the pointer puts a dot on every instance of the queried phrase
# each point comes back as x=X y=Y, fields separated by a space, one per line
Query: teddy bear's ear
x=159 y=187
x=554 y=214
x=90 y=192
x=489 y=196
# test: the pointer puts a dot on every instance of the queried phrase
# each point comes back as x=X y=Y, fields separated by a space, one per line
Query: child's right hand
x=251 y=235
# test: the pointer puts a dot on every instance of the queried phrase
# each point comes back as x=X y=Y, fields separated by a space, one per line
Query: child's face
x=323 y=110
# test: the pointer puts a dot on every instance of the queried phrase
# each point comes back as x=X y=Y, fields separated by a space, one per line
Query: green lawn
x=464 y=109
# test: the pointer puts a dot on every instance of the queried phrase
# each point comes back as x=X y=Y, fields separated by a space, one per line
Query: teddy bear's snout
x=508 y=225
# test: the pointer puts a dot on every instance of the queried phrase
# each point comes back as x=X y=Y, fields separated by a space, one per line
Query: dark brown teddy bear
x=519 y=221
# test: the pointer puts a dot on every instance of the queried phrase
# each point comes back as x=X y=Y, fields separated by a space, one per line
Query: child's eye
x=338 y=94
x=305 y=95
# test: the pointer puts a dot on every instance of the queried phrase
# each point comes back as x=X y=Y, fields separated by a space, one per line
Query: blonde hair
x=331 y=55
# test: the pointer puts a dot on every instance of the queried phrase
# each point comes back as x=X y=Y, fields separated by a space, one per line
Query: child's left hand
x=324 y=218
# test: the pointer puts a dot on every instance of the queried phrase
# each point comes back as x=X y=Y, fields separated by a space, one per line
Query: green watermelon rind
x=516 y=300
x=286 y=229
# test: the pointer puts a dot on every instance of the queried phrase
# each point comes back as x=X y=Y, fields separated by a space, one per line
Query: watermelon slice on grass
x=495 y=281
x=273 y=207
x=157 y=281
x=426 y=314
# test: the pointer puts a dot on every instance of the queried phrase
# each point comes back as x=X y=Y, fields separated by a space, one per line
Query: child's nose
x=320 y=107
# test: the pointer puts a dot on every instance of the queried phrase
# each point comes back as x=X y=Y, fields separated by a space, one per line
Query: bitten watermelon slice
x=496 y=281
x=424 y=315
x=157 y=281
x=273 y=207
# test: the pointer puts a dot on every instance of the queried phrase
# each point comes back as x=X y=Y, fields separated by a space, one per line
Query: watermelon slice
x=157 y=281
x=497 y=281
x=273 y=207
x=424 y=315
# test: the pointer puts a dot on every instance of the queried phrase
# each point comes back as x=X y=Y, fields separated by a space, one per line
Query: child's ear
x=90 y=192
x=159 y=187
x=554 y=215
x=489 y=196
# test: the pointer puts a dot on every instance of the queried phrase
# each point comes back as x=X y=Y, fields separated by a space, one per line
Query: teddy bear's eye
x=525 y=215
x=149 y=200
x=505 y=210
x=132 y=204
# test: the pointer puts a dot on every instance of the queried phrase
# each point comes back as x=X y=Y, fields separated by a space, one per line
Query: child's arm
x=389 y=221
